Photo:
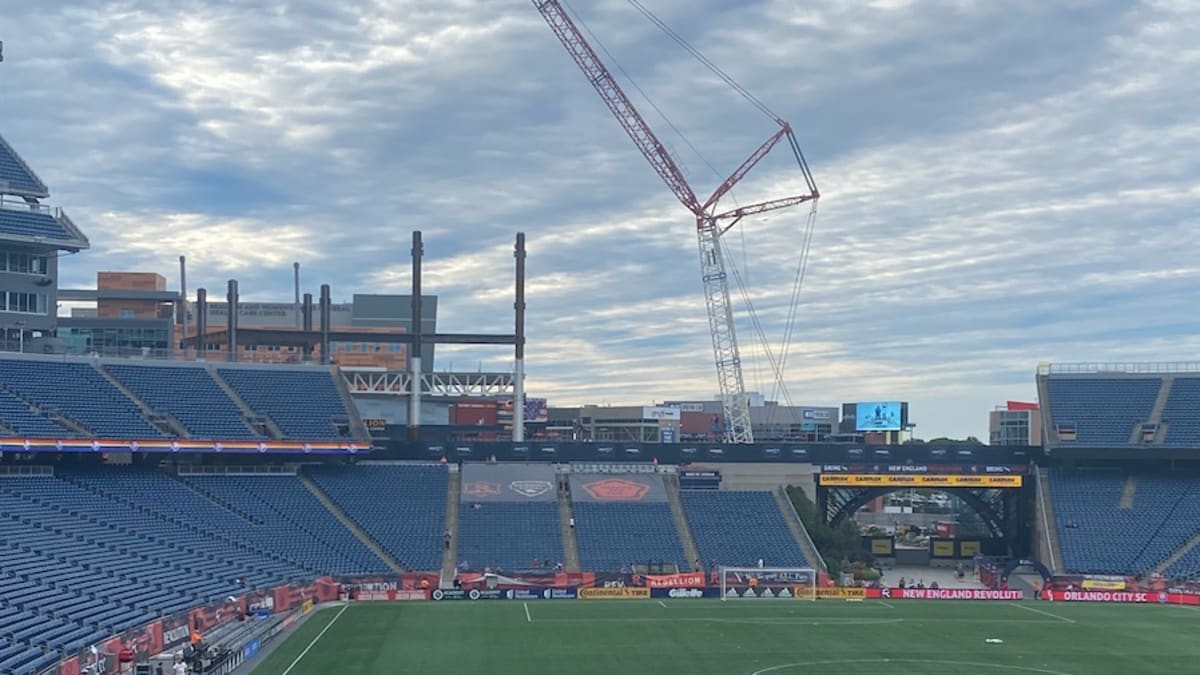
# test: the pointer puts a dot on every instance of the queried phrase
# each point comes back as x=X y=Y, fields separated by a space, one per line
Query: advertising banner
x=632 y=487
x=390 y=595
x=686 y=593
x=613 y=593
x=941 y=548
x=969 y=548
x=473 y=594
x=508 y=483
x=541 y=594
x=920 y=480
x=681 y=580
x=884 y=546
x=834 y=593
x=1103 y=584
x=944 y=594
x=1161 y=597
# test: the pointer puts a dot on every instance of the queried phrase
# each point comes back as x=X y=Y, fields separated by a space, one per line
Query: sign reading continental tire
x=924 y=480
x=835 y=593
x=613 y=593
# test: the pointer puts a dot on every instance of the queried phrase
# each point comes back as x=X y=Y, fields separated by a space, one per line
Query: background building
x=31 y=237
x=135 y=315
x=1015 y=423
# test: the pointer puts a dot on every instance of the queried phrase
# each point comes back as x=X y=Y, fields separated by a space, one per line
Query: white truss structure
x=400 y=383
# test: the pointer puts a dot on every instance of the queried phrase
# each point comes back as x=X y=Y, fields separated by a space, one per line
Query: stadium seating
x=302 y=403
x=26 y=223
x=401 y=507
x=1098 y=536
x=612 y=536
x=81 y=393
x=1182 y=413
x=509 y=535
x=15 y=176
x=16 y=415
x=739 y=528
x=190 y=395
x=1187 y=567
x=1105 y=410
x=295 y=520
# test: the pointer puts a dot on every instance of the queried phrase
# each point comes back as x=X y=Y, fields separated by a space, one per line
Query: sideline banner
x=834 y=593
x=541 y=594
x=613 y=593
x=684 y=593
x=390 y=595
x=944 y=594
x=1161 y=597
x=473 y=594
x=681 y=580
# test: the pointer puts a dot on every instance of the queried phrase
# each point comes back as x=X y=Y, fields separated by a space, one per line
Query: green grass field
x=709 y=637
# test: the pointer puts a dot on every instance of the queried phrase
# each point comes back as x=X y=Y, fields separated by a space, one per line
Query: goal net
x=768 y=582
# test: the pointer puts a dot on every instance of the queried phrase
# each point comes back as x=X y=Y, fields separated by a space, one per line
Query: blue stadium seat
x=302 y=403
x=739 y=528
x=16 y=415
x=190 y=395
x=81 y=393
x=612 y=536
x=16 y=177
x=1182 y=413
x=26 y=223
x=1105 y=410
x=1097 y=536
x=401 y=507
x=509 y=535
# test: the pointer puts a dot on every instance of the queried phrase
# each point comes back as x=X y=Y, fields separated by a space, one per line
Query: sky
x=1003 y=184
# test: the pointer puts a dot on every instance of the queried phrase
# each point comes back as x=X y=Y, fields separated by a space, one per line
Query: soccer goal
x=768 y=582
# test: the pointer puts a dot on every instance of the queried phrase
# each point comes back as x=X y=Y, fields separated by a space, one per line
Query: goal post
x=768 y=583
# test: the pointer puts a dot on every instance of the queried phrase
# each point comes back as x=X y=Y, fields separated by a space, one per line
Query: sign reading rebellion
x=887 y=480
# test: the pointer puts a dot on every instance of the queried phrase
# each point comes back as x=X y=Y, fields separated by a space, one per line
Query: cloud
x=1002 y=185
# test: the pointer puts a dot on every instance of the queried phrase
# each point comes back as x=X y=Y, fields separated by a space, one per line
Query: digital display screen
x=879 y=416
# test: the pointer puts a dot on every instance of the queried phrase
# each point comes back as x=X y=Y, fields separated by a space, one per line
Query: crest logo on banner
x=482 y=489
x=530 y=488
x=616 y=490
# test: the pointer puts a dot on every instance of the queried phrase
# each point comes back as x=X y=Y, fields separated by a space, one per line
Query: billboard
x=878 y=416
x=920 y=480
x=509 y=483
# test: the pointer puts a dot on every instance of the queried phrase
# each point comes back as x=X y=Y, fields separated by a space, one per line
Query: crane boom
x=708 y=221
x=616 y=100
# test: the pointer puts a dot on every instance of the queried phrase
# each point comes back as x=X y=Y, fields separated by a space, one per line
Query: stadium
x=294 y=487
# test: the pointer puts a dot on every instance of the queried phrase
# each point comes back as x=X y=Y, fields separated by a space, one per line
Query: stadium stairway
x=162 y=421
x=565 y=515
x=248 y=413
x=349 y=524
x=1048 y=543
x=1177 y=555
x=799 y=533
x=358 y=428
x=453 y=499
x=671 y=482
x=1128 y=492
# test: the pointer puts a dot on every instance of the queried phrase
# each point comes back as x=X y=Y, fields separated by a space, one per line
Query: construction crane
x=711 y=222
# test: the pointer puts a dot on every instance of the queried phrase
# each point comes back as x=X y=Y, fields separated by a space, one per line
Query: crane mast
x=710 y=223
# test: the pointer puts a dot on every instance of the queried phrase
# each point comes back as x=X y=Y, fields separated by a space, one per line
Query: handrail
x=1119 y=368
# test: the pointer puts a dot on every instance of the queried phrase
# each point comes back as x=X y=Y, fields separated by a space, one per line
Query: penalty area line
x=1043 y=612
x=318 y=637
x=662 y=604
x=528 y=619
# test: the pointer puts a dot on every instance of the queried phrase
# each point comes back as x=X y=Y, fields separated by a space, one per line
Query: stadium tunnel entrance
x=1007 y=516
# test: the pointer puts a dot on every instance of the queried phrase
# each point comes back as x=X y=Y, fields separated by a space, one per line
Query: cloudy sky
x=1003 y=183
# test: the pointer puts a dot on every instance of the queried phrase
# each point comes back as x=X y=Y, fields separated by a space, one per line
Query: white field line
x=1043 y=612
x=318 y=637
x=528 y=619
x=662 y=604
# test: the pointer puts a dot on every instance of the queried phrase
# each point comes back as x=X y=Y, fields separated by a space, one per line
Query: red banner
x=1161 y=597
x=943 y=594
x=681 y=580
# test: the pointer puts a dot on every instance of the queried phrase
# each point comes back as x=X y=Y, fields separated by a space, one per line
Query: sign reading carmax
x=919 y=480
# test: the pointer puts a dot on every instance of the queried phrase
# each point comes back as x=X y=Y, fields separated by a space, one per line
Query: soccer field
x=708 y=637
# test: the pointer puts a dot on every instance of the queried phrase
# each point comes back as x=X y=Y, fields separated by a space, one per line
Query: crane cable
x=716 y=70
